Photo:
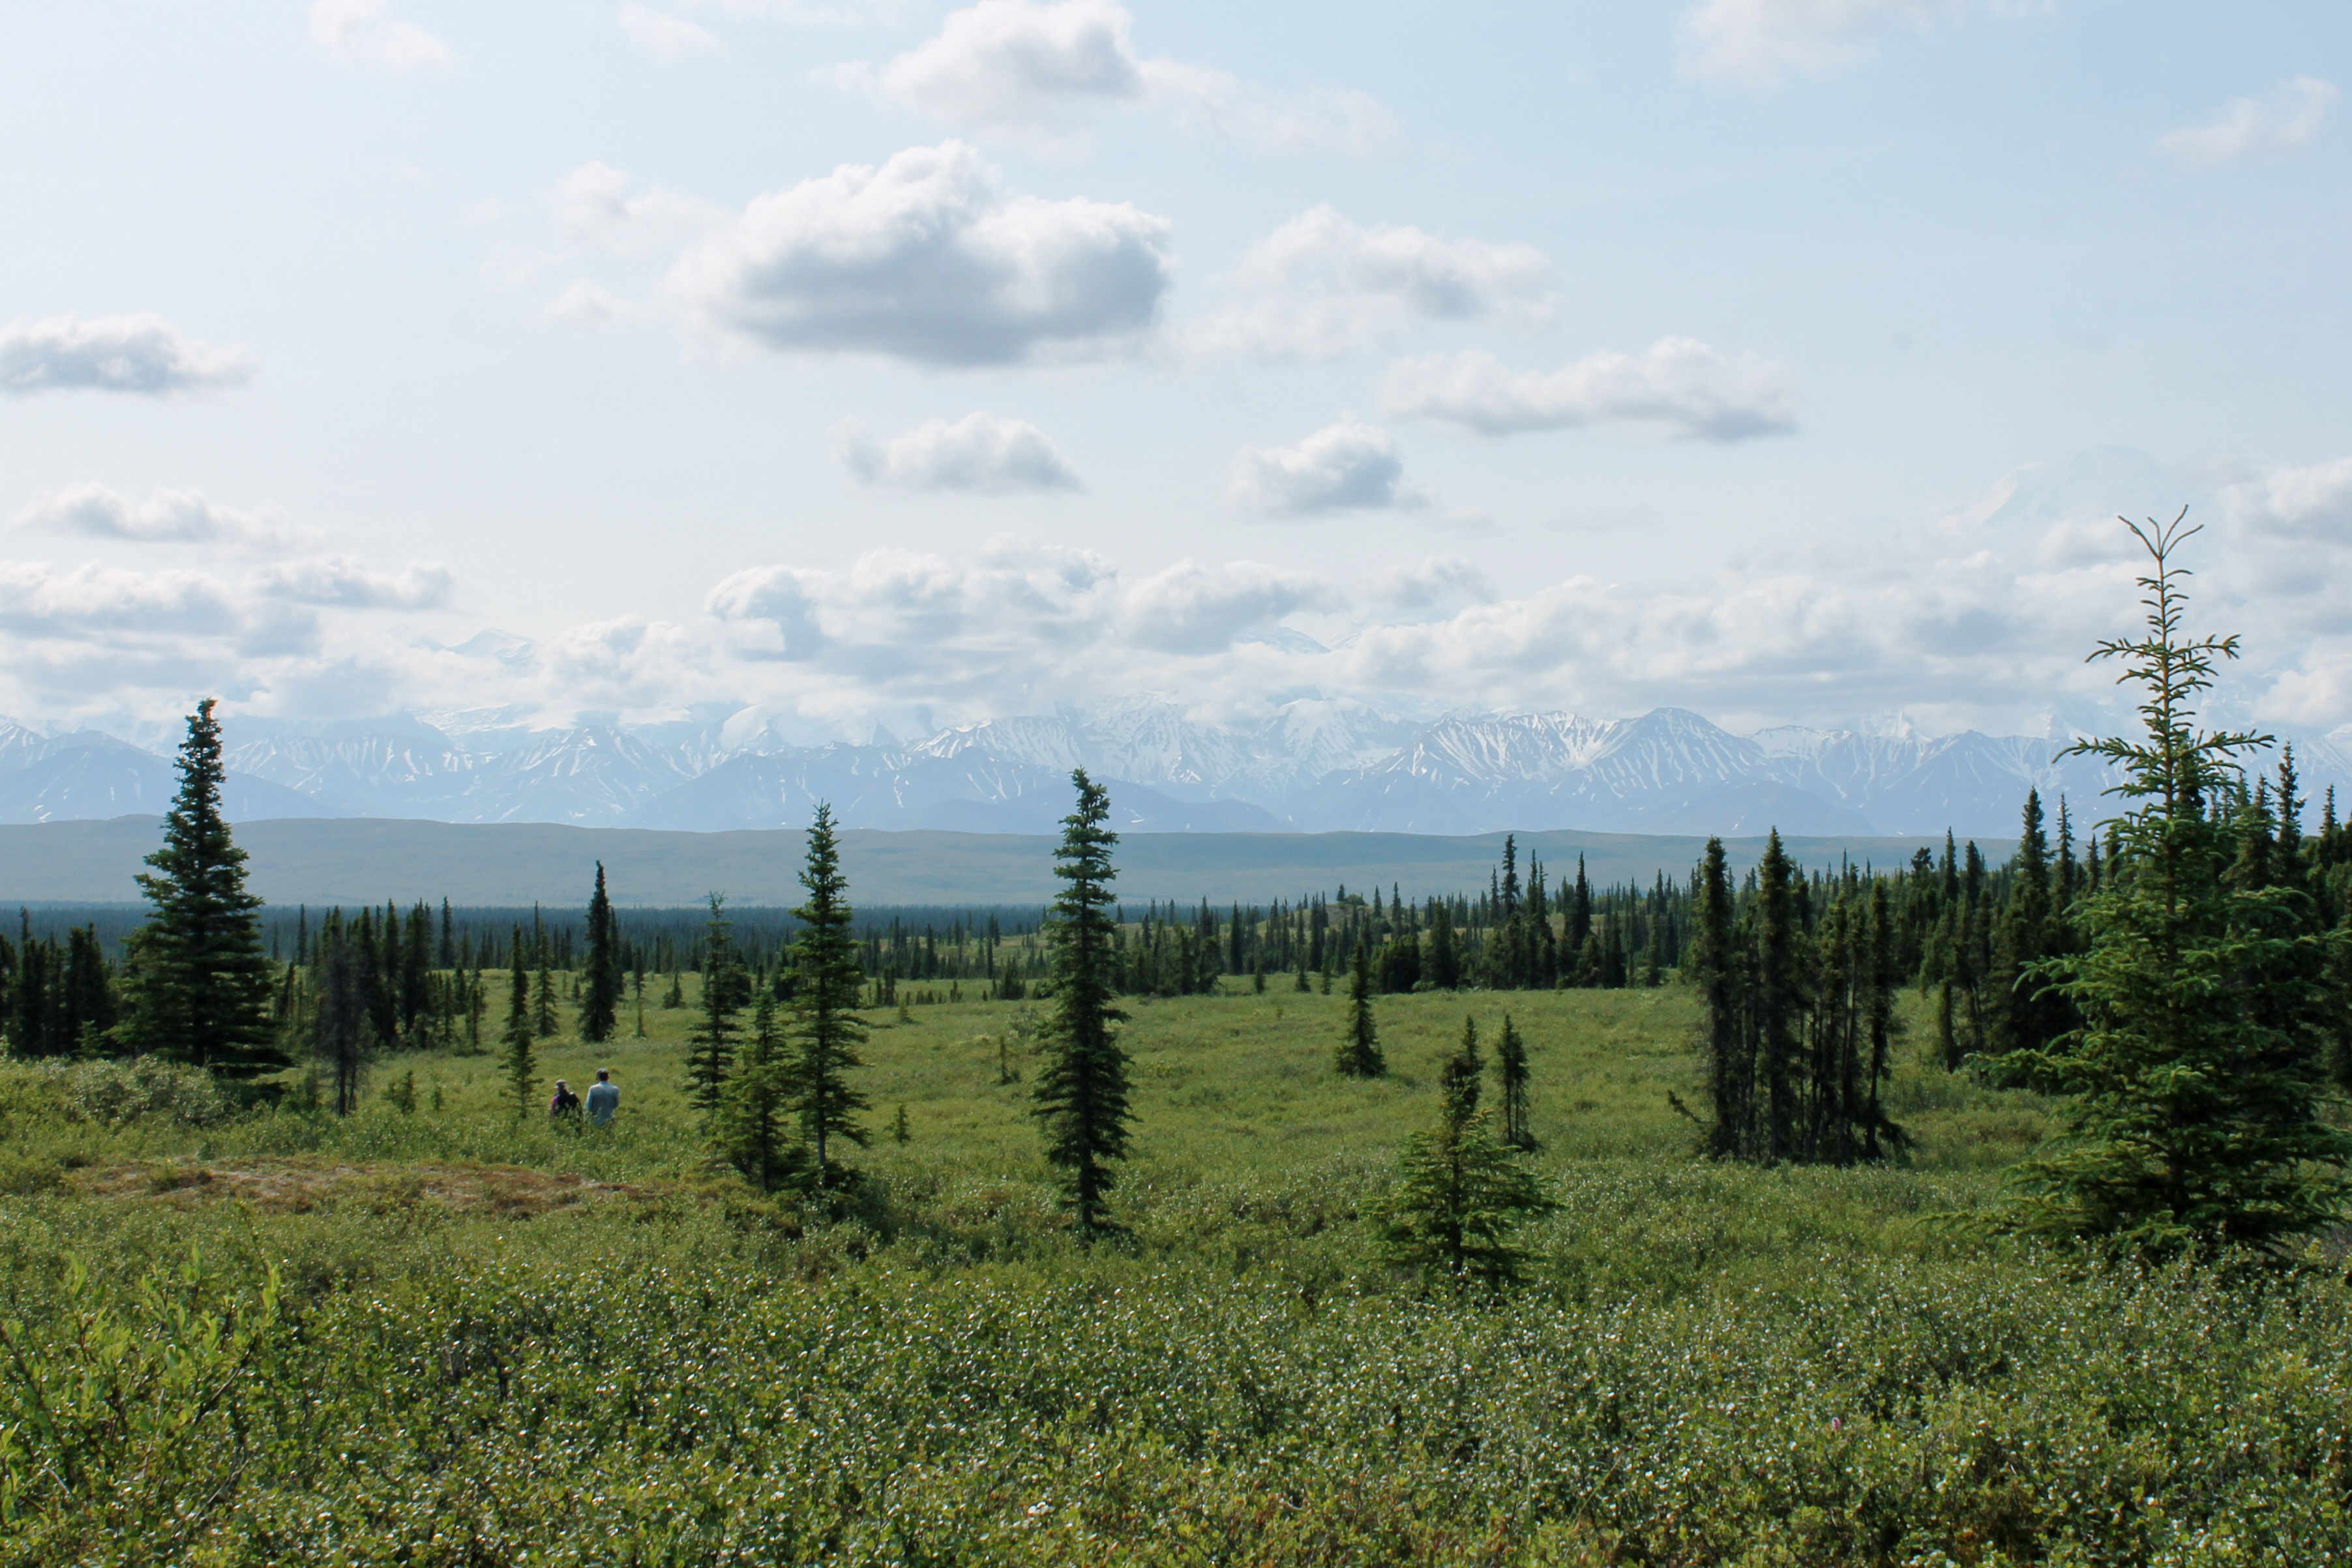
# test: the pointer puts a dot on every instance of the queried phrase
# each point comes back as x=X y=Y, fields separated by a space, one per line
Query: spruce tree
x=1082 y=1089
x=710 y=1046
x=201 y=986
x=1459 y=1194
x=2192 y=1119
x=600 y=1002
x=753 y=1126
x=1511 y=1065
x=1359 y=1053
x=828 y=981
x=544 y=1019
x=1445 y=949
x=343 y=1037
x=2028 y=1012
x=1777 y=995
x=1716 y=965
x=521 y=1060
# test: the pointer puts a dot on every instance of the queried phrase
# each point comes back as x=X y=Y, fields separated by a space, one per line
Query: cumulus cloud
x=142 y=354
x=1678 y=382
x=1192 y=608
x=1765 y=40
x=982 y=453
x=1320 y=285
x=1979 y=616
x=585 y=304
x=2313 y=502
x=1347 y=467
x=2255 y=127
x=929 y=260
x=342 y=581
x=165 y=517
x=803 y=12
x=1022 y=68
x=1442 y=584
x=37 y=601
x=1016 y=616
x=363 y=32
x=594 y=208
x=663 y=36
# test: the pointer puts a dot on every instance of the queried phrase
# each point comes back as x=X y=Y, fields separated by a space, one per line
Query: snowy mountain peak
x=1309 y=764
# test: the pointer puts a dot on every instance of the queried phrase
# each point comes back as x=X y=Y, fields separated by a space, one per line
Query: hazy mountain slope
x=84 y=783
x=356 y=861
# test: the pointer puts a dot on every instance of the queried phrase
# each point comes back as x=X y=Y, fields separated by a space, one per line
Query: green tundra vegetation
x=1961 y=1215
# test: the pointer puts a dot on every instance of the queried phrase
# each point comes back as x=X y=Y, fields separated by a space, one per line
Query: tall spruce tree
x=1082 y=1089
x=600 y=1000
x=2192 y=1117
x=1359 y=1053
x=2028 y=1010
x=1511 y=1068
x=753 y=1129
x=826 y=982
x=201 y=986
x=342 y=1036
x=1459 y=1194
x=1777 y=993
x=521 y=1064
x=711 y=1045
x=1715 y=965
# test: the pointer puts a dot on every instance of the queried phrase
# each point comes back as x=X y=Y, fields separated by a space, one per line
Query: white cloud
x=1763 y=40
x=1017 y=616
x=1319 y=286
x=1440 y=585
x=1192 y=608
x=979 y=454
x=1020 y=67
x=362 y=32
x=1347 y=467
x=2300 y=503
x=165 y=517
x=2253 y=128
x=1678 y=382
x=1980 y=616
x=929 y=260
x=663 y=36
x=594 y=207
x=845 y=14
x=342 y=581
x=142 y=354
x=40 y=601
x=511 y=266
x=1324 y=120
x=584 y=304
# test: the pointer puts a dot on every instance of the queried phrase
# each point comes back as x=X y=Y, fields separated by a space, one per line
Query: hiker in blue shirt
x=603 y=1098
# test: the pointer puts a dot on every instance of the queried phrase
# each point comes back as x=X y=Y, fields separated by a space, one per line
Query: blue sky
x=1778 y=358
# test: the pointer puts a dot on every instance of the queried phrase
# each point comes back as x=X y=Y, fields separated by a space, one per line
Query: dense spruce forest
x=1956 y=929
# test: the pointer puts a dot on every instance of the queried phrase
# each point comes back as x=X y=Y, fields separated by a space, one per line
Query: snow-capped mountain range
x=1313 y=766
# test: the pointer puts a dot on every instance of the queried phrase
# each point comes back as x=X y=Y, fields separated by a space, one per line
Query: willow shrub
x=1720 y=1367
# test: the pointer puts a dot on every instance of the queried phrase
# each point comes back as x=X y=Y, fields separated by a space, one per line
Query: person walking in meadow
x=564 y=1108
x=603 y=1098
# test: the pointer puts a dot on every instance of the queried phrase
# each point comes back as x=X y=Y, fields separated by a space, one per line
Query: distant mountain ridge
x=1313 y=766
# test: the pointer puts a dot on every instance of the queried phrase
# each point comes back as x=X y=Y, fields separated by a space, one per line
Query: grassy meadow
x=448 y=1336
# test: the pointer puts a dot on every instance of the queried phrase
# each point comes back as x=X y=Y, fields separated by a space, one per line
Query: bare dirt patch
x=295 y=1186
